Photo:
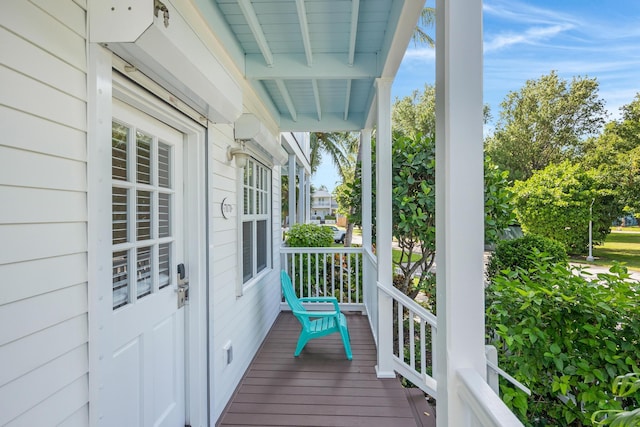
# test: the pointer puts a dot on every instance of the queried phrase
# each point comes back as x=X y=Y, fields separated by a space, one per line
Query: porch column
x=365 y=164
x=459 y=202
x=292 y=189
x=307 y=199
x=302 y=196
x=383 y=227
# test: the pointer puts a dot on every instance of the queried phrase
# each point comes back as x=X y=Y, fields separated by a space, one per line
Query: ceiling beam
x=355 y=7
x=331 y=122
x=287 y=99
x=316 y=96
x=304 y=29
x=252 y=19
x=325 y=66
x=347 y=99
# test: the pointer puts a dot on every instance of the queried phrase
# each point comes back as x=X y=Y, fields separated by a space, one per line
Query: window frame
x=252 y=210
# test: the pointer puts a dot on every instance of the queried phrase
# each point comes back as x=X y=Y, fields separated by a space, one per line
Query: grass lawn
x=619 y=246
x=396 y=253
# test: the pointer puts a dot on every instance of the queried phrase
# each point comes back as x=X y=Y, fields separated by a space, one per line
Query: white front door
x=146 y=376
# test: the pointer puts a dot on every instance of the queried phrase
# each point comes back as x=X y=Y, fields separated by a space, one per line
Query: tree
x=340 y=146
x=555 y=202
x=545 y=122
x=616 y=156
x=427 y=20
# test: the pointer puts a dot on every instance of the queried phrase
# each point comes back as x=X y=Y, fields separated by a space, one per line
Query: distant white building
x=322 y=204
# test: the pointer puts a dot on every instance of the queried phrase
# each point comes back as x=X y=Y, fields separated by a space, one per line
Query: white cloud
x=424 y=54
x=532 y=35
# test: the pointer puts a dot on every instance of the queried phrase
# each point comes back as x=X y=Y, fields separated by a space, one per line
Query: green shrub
x=514 y=253
x=563 y=336
x=309 y=236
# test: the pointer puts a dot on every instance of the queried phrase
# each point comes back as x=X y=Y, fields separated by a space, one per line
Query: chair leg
x=302 y=341
x=344 y=332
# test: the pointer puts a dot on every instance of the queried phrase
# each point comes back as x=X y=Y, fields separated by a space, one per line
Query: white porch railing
x=333 y=272
x=350 y=275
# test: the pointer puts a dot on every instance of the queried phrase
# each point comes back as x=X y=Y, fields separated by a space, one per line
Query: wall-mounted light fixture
x=240 y=154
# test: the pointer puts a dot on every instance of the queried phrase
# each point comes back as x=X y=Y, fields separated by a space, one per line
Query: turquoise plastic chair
x=315 y=324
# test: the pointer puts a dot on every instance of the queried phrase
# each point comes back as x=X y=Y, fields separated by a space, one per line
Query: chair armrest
x=322 y=299
x=316 y=313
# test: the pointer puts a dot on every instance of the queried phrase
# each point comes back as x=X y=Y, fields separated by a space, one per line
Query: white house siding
x=43 y=241
x=244 y=321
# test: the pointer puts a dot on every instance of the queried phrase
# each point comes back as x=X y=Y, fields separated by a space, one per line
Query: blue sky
x=526 y=39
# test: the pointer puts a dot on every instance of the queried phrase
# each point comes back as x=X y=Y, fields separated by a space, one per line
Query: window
x=256 y=252
x=142 y=205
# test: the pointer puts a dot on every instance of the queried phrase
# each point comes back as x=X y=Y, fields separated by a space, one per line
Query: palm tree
x=427 y=19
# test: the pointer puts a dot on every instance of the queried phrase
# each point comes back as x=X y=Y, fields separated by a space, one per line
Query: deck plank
x=320 y=387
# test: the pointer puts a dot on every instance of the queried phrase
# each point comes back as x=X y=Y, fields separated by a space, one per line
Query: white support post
x=292 y=189
x=459 y=202
x=383 y=228
x=307 y=200
x=302 y=196
x=365 y=149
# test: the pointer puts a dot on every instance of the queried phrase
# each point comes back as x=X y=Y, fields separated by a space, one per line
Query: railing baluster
x=348 y=256
x=400 y=331
x=423 y=348
x=317 y=275
x=333 y=274
x=358 y=299
x=433 y=349
x=412 y=341
x=324 y=274
x=341 y=277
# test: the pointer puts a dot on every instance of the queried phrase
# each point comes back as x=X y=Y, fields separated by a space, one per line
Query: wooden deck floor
x=320 y=387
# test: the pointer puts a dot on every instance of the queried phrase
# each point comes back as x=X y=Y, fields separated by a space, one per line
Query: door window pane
x=164 y=223
x=164 y=165
x=119 y=147
x=142 y=207
x=143 y=272
x=143 y=164
x=120 y=275
x=143 y=216
x=164 y=265
x=119 y=216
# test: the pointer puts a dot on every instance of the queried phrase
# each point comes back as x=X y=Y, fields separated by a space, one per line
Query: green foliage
x=616 y=156
x=510 y=254
x=561 y=334
x=498 y=201
x=545 y=122
x=414 y=199
x=623 y=386
x=555 y=203
x=416 y=114
x=309 y=236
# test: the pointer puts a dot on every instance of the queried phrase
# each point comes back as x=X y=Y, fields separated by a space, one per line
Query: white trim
x=99 y=213
x=104 y=85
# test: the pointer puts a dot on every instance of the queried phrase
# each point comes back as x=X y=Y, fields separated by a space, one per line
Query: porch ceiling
x=314 y=62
